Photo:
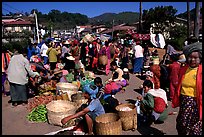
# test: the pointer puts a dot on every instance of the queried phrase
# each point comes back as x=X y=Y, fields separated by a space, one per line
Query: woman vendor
x=93 y=109
x=154 y=104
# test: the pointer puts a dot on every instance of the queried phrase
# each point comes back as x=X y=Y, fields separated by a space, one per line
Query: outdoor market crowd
x=23 y=71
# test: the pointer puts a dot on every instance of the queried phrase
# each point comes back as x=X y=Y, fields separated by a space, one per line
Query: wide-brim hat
x=70 y=58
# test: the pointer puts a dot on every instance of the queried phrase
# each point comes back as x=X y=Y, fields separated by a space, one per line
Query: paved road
x=14 y=119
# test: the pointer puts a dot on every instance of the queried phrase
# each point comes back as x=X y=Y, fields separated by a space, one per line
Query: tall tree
x=161 y=16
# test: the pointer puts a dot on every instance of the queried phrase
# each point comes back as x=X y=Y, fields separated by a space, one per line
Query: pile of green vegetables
x=38 y=114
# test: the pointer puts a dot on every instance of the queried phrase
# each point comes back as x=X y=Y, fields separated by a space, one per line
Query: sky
x=91 y=9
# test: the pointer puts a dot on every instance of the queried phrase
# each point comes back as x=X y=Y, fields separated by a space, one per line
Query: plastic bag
x=137 y=104
x=6 y=86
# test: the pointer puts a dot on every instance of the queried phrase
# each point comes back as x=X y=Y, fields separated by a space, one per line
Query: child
x=149 y=76
x=126 y=75
x=107 y=100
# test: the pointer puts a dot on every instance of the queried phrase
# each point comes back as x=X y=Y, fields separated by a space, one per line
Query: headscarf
x=197 y=46
x=90 y=90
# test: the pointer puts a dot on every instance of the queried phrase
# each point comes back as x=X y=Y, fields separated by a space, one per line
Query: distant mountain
x=128 y=17
x=123 y=17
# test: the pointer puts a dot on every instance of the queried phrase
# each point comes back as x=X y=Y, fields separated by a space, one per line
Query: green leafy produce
x=38 y=114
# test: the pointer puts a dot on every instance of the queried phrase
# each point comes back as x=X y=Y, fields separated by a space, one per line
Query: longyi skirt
x=187 y=121
x=18 y=92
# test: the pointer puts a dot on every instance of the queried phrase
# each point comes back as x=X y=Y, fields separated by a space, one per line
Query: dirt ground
x=14 y=120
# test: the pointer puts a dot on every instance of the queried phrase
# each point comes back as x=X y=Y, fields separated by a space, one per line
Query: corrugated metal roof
x=18 y=23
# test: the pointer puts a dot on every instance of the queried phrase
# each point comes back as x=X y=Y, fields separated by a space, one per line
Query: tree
x=160 y=16
x=32 y=11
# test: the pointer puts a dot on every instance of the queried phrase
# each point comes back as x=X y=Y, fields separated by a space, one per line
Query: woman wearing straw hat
x=188 y=95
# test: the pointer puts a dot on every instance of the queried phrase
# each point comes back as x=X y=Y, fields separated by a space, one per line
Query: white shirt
x=138 y=51
x=43 y=50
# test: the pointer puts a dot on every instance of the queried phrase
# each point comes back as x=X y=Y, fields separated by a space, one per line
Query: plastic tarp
x=157 y=40
x=141 y=36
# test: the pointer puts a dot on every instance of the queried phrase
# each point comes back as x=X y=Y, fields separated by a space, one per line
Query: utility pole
x=188 y=21
x=112 y=28
x=140 y=20
x=36 y=22
x=197 y=20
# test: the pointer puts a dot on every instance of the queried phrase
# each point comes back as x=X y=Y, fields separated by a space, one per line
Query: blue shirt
x=30 y=52
x=96 y=107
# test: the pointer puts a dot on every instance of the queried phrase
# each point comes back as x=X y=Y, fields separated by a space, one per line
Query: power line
x=6 y=10
x=12 y=7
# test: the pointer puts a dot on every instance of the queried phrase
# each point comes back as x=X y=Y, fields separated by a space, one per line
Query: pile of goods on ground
x=46 y=87
x=38 y=114
x=39 y=100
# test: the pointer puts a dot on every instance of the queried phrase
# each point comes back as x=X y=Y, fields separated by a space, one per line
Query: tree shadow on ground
x=143 y=128
x=148 y=130
x=142 y=77
x=138 y=90
x=131 y=101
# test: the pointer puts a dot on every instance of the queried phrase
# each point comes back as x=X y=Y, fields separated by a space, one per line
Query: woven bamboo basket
x=128 y=115
x=68 y=88
x=108 y=124
x=103 y=60
x=58 y=109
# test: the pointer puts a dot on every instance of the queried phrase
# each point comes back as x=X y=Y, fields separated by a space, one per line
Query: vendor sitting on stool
x=93 y=109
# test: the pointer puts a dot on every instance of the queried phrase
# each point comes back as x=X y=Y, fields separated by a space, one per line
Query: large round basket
x=69 y=88
x=128 y=116
x=103 y=60
x=58 y=109
x=108 y=124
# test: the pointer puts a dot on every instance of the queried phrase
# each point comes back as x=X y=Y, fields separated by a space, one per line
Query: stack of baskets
x=58 y=109
x=128 y=115
x=108 y=124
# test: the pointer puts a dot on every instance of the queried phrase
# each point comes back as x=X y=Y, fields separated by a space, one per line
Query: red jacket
x=176 y=101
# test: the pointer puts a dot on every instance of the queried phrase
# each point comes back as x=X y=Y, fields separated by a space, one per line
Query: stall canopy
x=141 y=36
